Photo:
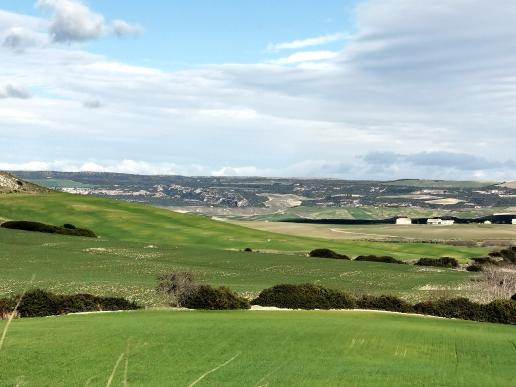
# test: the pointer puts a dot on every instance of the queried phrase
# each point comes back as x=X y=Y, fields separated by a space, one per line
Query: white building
x=439 y=221
x=403 y=221
x=514 y=221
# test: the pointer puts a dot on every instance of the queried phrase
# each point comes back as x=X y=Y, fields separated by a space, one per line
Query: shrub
x=485 y=260
x=513 y=297
x=474 y=268
x=69 y=226
x=248 y=250
x=39 y=303
x=7 y=306
x=390 y=303
x=207 y=297
x=439 y=262
x=176 y=285
x=453 y=308
x=501 y=311
x=327 y=253
x=47 y=228
x=304 y=296
x=375 y=258
x=509 y=254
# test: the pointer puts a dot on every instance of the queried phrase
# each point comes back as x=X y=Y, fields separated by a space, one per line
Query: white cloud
x=306 y=56
x=413 y=79
x=310 y=42
x=92 y=103
x=19 y=39
x=121 y=28
x=14 y=91
x=73 y=21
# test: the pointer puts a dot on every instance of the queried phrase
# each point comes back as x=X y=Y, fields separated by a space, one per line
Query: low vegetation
x=376 y=258
x=39 y=303
x=507 y=255
x=183 y=291
x=67 y=229
x=438 y=262
x=327 y=253
x=304 y=296
x=208 y=297
x=309 y=296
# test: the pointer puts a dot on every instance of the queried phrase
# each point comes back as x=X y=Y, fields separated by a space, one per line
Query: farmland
x=110 y=267
x=257 y=348
x=417 y=232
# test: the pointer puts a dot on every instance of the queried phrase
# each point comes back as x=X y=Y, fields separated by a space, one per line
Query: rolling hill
x=11 y=184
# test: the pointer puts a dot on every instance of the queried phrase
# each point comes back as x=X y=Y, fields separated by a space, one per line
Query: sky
x=365 y=89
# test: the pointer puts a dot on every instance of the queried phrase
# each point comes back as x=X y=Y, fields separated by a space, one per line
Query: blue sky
x=181 y=34
x=366 y=89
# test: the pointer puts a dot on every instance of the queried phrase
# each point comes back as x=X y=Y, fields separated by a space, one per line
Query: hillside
x=508 y=184
x=11 y=184
x=134 y=222
x=263 y=196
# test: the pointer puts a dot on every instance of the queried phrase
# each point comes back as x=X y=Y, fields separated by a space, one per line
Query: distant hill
x=509 y=184
x=11 y=184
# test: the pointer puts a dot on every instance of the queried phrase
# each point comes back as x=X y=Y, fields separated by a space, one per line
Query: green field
x=109 y=267
x=382 y=232
x=138 y=242
x=141 y=223
x=258 y=348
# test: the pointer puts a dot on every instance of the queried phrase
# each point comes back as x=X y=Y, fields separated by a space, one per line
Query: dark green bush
x=453 y=308
x=509 y=254
x=248 y=250
x=439 y=262
x=69 y=226
x=513 y=297
x=501 y=311
x=39 y=303
x=485 y=260
x=375 y=258
x=390 y=303
x=474 y=268
x=304 y=296
x=327 y=253
x=207 y=297
x=47 y=228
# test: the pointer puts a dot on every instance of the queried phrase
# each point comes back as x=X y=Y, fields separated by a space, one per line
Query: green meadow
x=134 y=222
x=256 y=348
x=104 y=266
x=137 y=242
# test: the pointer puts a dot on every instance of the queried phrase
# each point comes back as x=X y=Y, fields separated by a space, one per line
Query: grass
x=257 y=348
x=140 y=223
x=67 y=264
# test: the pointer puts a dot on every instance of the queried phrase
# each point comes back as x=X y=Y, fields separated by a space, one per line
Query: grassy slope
x=272 y=348
x=110 y=267
x=139 y=223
